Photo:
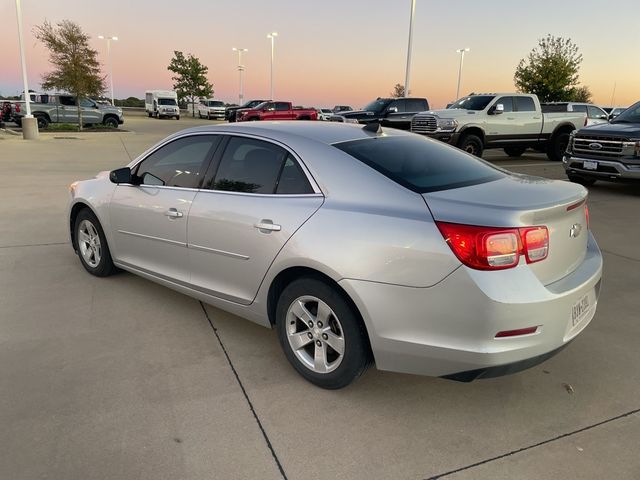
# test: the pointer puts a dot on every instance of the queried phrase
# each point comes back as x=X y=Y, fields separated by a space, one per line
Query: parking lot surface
x=122 y=378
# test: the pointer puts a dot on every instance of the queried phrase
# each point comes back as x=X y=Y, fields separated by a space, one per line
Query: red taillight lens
x=17 y=107
x=494 y=248
x=586 y=215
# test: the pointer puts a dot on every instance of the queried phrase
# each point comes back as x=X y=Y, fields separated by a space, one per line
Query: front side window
x=595 y=112
x=177 y=164
x=419 y=164
x=399 y=104
x=377 y=106
x=85 y=102
x=255 y=166
x=507 y=103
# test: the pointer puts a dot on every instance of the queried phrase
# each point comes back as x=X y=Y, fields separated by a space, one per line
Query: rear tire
x=471 y=144
x=585 y=181
x=557 y=145
x=91 y=245
x=43 y=122
x=514 y=152
x=334 y=323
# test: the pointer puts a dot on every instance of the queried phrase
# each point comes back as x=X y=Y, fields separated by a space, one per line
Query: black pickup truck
x=608 y=151
x=231 y=112
x=390 y=112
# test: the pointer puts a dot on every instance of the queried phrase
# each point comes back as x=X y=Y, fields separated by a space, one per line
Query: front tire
x=110 y=122
x=43 y=122
x=91 y=245
x=514 y=152
x=471 y=144
x=321 y=335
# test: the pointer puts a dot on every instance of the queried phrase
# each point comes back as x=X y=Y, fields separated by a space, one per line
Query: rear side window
x=420 y=164
x=255 y=166
x=415 y=105
x=525 y=104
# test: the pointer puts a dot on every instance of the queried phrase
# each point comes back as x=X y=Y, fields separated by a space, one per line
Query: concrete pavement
x=122 y=378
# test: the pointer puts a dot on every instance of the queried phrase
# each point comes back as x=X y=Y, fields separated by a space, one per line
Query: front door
x=244 y=215
x=149 y=219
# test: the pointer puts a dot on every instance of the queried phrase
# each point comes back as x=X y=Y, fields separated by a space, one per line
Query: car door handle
x=267 y=226
x=511 y=118
x=173 y=213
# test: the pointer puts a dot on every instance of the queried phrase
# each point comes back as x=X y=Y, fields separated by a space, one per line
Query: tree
x=398 y=91
x=190 y=79
x=550 y=70
x=582 y=94
x=75 y=65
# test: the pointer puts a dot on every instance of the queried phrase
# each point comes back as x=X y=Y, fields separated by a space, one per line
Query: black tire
x=356 y=354
x=557 y=146
x=232 y=118
x=18 y=122
x=150 y=114
x=104 y=266
x=110 y=122
x=586 y=181
x=514 y=151
x=471 y=144
x=177 y=117
x=43 y=122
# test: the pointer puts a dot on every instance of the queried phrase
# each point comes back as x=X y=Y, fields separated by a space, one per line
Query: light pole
x=108 y=39
x=461 y=52
x=408 y=71
x=29 y=123
x=272 y=36
x=240 y=69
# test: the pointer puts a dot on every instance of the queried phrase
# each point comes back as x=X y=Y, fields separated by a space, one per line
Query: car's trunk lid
x=521 y=201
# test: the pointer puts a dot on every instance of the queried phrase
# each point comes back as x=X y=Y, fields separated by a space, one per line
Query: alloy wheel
x=89 y=243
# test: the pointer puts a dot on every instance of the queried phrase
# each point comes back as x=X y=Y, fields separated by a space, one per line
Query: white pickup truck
x=512 y=121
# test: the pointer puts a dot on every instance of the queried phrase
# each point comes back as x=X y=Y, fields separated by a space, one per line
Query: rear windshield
x=420 y=164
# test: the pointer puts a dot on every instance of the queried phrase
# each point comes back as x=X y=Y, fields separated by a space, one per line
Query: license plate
x=590 y=165
x=580 y=310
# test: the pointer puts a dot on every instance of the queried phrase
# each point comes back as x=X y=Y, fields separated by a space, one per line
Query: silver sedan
x=358 y=245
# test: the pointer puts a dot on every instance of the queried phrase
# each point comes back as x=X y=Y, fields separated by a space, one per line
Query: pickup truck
x=608 y=151
x=231 y=112
x=389 y=112
x=211 y=108
x=276 y=111
x=512 y=121
x=61 y=108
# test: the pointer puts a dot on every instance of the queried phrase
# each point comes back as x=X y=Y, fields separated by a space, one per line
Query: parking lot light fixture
x=272 y=37
x=409 y=47
x=108 y=39
x=240 y=70
x=461 y=51
x=29 y=124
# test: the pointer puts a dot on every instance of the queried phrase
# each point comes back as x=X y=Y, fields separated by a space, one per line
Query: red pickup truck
x=276 y=111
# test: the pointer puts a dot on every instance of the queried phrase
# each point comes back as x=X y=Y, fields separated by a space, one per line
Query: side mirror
x=120 y=175
x=392 y=110
x=497 y=109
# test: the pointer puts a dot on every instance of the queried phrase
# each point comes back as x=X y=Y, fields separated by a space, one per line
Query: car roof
x=323 y=132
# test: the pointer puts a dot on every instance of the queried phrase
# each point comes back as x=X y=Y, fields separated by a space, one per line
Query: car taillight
x=17 y=107
x=586 y=215
x=495 y=248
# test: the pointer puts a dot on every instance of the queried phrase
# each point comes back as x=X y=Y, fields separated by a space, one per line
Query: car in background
x=595 y=114
x=276 y=111
x=615 y=111
x=324 y=113
x=232 y=112
x=609 y=151
x=162 y=104
x=210 y=108
x=389 y=112
x=359 y=247
x=341 y=108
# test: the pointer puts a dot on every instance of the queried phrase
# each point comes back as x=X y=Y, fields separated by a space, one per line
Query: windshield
x=167 y=101
x=419 y=164
x=252 y=103
x=258 y=106
x=216 y=104
x=474 y=102
x=377 y=105
x=630 y=115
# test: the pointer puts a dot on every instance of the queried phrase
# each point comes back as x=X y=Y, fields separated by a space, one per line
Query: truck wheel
x=110 y=122
x=557 y=146
x=514 y=151
x=471 y=144
x=43 y=122
x=254 y=119
x=150 y=114
x=177 y=117
x=587 y=182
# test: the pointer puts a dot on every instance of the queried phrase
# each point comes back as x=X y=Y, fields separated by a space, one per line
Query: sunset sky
x=336 y=51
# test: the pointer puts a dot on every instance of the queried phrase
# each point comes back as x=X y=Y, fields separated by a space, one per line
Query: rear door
x=527 y=121
x=283 y=111
x=259 y=195
x=67 y=109
x=149 y=219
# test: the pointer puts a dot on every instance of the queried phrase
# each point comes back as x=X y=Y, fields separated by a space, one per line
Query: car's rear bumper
x=450 y=329
x=606 y=169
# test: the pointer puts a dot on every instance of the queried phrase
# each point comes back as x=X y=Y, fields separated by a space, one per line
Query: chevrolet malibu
x=358 y=245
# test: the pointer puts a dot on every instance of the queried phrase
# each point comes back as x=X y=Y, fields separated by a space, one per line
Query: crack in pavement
x=619 y=255
x=34 y=245
x=244 y=392
x=544 y=442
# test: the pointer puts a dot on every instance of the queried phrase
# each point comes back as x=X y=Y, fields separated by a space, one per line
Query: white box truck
x=162 y=103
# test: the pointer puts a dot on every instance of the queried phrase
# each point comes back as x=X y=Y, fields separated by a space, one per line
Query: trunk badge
x=575 y=230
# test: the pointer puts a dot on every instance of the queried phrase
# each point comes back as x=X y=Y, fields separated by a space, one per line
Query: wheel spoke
x=83 y=237
x=299 y=340
x=320 y=358
x=300 y=311
x=324 y=312
x=335 y=342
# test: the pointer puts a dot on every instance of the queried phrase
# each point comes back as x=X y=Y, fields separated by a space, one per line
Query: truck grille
x=424 y=124
x=599 y=146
